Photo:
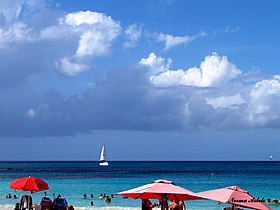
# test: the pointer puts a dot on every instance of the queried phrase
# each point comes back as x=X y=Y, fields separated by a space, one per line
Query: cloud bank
x=42 y=50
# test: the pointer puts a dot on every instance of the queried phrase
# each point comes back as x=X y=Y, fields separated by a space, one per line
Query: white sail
x=103 y=157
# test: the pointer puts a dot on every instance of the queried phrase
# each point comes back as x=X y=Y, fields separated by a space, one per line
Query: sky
x=152 y=80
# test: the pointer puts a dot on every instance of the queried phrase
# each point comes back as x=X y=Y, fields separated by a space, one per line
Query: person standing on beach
x=181 y=205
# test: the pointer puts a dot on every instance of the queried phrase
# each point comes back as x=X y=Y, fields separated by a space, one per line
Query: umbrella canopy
x=159 y=188
x=29 y=184
x=233 y=195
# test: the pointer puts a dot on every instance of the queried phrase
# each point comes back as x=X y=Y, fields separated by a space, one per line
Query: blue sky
x=153 y=80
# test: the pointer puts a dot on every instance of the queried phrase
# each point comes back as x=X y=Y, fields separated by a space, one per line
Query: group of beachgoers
x=179 y=205
x=58 y=203
x=107 y=199
x=272 y=201
x=173 y=205
x=9 y=196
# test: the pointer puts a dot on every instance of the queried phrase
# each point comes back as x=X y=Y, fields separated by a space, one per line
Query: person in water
x=107 y=200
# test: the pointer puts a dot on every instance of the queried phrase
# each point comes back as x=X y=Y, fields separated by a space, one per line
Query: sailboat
x=103 y=157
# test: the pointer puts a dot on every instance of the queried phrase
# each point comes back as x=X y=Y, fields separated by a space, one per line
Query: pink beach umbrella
x=158 y=190
x=233 y=195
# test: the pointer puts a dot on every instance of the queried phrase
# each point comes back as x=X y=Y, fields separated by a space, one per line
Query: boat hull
x=104 y=164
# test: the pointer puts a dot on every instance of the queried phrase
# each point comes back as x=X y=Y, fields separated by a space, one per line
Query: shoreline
x=11 y=207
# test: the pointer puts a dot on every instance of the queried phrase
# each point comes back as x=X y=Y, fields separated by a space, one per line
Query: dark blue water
x=73 y=179
x=124 y=169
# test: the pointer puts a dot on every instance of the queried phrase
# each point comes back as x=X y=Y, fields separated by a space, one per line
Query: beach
x=74 y=179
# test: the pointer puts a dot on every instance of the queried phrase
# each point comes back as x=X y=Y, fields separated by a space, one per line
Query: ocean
x=73 y=179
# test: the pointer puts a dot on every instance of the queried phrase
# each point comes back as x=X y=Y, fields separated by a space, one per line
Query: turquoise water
x=73 y=179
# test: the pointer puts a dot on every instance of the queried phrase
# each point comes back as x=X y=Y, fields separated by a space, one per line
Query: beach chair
x=46 y=204
x=59 y=203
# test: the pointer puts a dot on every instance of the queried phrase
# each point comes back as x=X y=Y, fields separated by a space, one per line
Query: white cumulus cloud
x=214 y=71
x=30 y=113
x=98 y=32
x=13 y=28
x=94 y=31
x=133 y=34
x=17 y=32
x=70 y=68
x=265 y=101
x=155 y=64
x=226 y=101
x=171 y=41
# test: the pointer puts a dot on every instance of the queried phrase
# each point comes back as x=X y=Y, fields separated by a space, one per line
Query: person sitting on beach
x=59 y=203
x=17 y=206
x=147 y=204
x=70 y=207
x=174 y=205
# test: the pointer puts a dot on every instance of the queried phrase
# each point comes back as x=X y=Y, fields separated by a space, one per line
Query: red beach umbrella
x=234 y=195
x=159 y=188
x=29 y=184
